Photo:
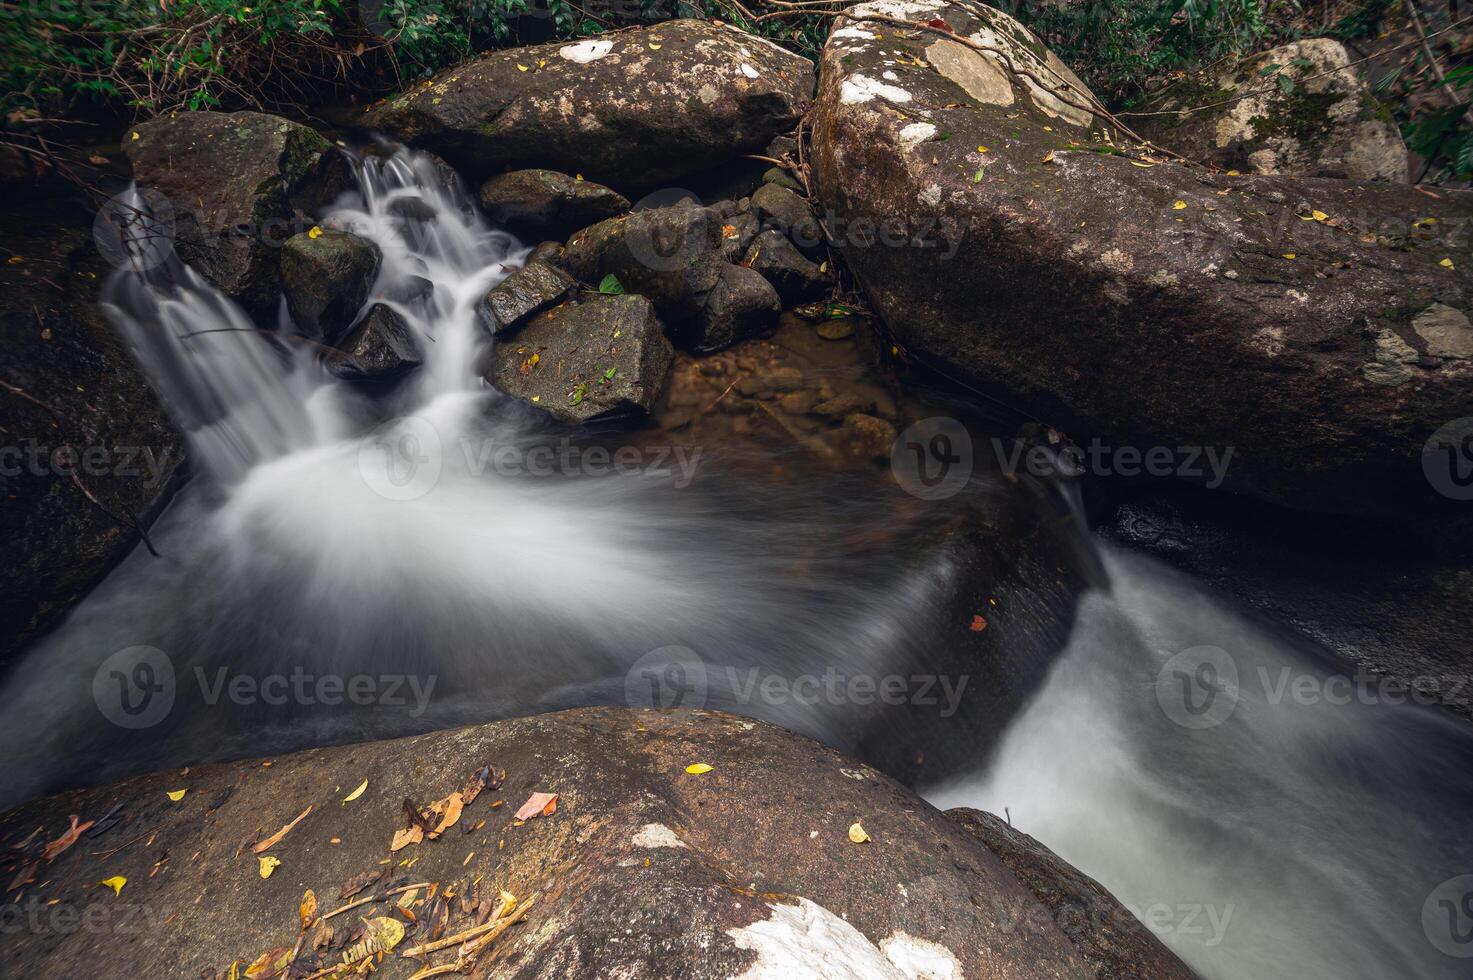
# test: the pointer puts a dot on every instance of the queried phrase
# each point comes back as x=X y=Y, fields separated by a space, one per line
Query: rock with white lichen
x=1318 y=327
x=633 y=109
x=1293 y=110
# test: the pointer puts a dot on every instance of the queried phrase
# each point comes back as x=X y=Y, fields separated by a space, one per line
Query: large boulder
x=1317 y=328
x=548 y=202
x=747 y=864
x=89 y=454
x=606 y=355
x=636 y=108
x=1322 y=122
x=534 y=287
x=238 y=184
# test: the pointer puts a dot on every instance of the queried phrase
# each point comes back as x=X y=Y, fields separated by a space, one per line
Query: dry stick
x=469 y=950
x=499 y=925
x=435 y=971
x=375 y=897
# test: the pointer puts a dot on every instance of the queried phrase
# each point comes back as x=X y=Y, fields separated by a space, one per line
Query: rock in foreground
x=1318 y=328
x=633 y=109
x=642 y=868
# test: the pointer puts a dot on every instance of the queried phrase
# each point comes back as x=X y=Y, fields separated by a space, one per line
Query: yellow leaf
x=1291 y=256
x=356 y=793
x=1142 y=164
x=577 y=176
x=1446 y=263
x=656 y=47
x=1179 y=206
x=523 y=68
x=1319 y=216
x=176 y=795
x=269 y=863
x=1233 y=173
x=135 y=136
x=116 y=883
x=981 y=149
x=1048 y=129
x=1048 y=157
x=307 y=910
x=313 y=233
x=698 y=768
x=857 y=834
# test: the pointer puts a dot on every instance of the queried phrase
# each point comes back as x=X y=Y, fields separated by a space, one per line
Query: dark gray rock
x=533 y=288
x=548 y=202
x=636 y=108
x=74 y=401
x=790 y=214
x=607 y=355
x=238 y=184
x=780 y=177
x=742 y=305
x=326 y=276
x=796 y=279
x=381 y=347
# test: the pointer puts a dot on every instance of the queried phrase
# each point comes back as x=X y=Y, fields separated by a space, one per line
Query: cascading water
x=332 y=532
x=1294 y=829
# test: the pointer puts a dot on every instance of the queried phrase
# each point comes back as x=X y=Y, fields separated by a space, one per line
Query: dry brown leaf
x=403 y=838
x=67 y=839
x=449 y=810
x=275 y=838
x=307 y=910
x=538 y=803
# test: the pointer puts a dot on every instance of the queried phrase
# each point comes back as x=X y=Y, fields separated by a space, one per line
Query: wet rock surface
x=640 y=867
x=531 y=289
x=79 y=419
x=381 y=347
x=1328 y=123
x=548 y=202
x=237 y=185
x=633 y=109
x=1114 y=942
x=578 y=361
x=1147 y=304
x=326 y=276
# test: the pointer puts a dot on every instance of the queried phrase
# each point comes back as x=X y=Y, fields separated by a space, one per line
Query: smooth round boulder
x=547 y=202
x=632 y=109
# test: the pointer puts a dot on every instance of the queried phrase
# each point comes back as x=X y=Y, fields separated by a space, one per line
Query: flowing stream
x=333 y=532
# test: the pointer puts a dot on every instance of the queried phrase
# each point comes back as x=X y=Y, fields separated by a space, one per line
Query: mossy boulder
x=1324 y=121
x=547 y=202
x=632 y=109
x=239 y=184
x=1147 y=304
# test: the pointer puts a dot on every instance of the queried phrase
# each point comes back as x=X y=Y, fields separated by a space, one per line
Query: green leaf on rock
x=611 y=286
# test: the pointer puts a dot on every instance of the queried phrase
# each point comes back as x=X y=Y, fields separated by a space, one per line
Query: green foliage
x=1121 y=46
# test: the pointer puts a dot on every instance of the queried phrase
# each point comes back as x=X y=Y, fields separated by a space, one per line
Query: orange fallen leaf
x=449 y=809
x=979 y=624
x=409 y=835
x=538 y=803
x=67 y=839
x=275 y=838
